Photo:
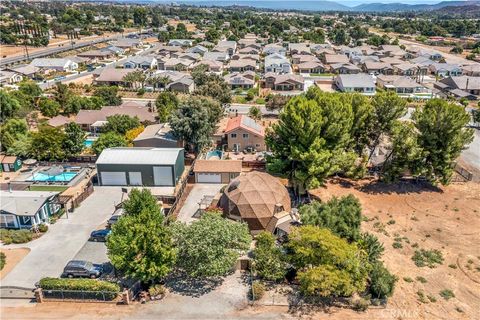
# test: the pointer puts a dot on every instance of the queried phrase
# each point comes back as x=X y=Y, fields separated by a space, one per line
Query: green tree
x=371 y=245
x=75 y=103
x=268 y=260
x=195 y=120
x=140 y=200
x=363 y=121
x=9 y=105
x=211 y=85
x=327 y=265
x=74 y=136
x=109 y=95
x=166 y=103
x=382 y=282
x=277 y=102
x=62 y=94
x=48 y=107
x=255 y=113
x=11 y=130
x=443 y=135
x=120 y=123
x=136 y=77
x=342 y=216
x=141 y=246
x=405 y=152
x=21 y=146
x=47 y=144
x=210 y=246
x=310 y=141
x=108 y=140
x=388 y=107
x=29 y=88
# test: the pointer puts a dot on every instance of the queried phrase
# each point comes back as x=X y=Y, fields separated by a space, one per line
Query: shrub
x=431 y=298
x=258 y=290
x=390 y=222
x=428 y=258
x=3 y=260
x=42 y=228
x=453 y=266
x=421 y=279
x=15 y=236
x=397 y=245
x=141 y=92
x=422 y=297
x=360 y=304
x=78 y=285
x=382 y=282
x=447 y=294
x=407 y=279
x=156 y=290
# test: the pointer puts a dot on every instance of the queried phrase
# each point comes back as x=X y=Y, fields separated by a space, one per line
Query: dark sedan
x=100 y=235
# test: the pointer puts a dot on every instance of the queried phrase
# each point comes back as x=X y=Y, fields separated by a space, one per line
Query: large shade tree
x=210 y=246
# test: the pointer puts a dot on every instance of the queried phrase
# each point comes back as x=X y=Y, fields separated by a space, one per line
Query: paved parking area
x=63 y=241
x=196 y=195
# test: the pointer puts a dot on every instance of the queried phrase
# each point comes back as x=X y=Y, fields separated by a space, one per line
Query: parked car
x=100 y=235
x=81 y=268
x=115 y=217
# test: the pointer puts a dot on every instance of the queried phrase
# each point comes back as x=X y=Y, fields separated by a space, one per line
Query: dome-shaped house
x=258 y=199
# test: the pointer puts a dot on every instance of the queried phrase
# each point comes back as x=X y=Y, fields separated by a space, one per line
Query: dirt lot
x=13 y=256
x=447 y=219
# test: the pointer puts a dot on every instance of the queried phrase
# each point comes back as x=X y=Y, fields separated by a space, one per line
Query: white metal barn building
x=140 y=166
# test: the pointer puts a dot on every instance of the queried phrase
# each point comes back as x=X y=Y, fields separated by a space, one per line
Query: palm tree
x=137 y=76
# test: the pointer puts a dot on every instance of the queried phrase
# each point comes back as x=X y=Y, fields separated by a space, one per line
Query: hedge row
x=78 y=285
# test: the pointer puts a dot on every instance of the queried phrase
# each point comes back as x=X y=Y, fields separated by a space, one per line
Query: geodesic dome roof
x=256 y=197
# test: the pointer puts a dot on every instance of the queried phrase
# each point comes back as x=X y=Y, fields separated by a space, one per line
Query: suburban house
x=243 y=132
x=335 y=58
x=406 y=69
x=344 y=68
x=274 y=48
x=127 y=43
x=116 y=50
x=298 y=48
x=362 y=83
x=403 y=86
x=180 y=42
x=216 y=56
x=194 y=57
x=157 y=136
x=472 y=70
x=112 y=76
x=57 y=64
x=141 y=62
x=93 y=120
x=283 y=82
x=468 y=84
x=177 y=64
x=240 y=80
x=151 y=167
x=9 y=77
x=96 y=54
x=27 y=70
x=27 y=209
x=445 y=70
x=216 y=171
x=184 y=84
x=376 y=68
x=249 y=50
x=226 y=46
x=277 y=63
x=311 y=67
x=363 y=59
x=212 y=66
x=242 y=65
x=197 y=49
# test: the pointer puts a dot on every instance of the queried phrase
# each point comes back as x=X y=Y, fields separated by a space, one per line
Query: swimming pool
x=214 y=154
x=88 y=143
x=63 y=177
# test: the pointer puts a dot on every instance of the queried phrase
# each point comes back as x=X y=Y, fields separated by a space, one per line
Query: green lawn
x=48 y=188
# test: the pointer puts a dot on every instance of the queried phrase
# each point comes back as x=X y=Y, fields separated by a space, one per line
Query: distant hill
x=469 y=11
x=392 y=7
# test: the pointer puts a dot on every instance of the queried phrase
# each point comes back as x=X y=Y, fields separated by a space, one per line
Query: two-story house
x=243 y=132
x=277 y=63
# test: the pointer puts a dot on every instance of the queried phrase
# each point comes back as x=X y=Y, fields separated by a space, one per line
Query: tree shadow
x=183 y=284
x=300 y=305
x=400 y=187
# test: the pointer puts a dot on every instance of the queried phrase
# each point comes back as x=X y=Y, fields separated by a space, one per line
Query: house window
x=7 y=221
x=257 y=145
x=233 y=135
x=245 y=136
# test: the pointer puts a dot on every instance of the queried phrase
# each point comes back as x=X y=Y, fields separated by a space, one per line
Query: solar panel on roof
x=249 y=122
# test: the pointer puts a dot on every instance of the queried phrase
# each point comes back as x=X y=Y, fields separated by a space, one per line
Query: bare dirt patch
x=421 y=217
x=13 y=256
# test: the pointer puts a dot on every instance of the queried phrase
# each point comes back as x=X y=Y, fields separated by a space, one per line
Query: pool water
x=63 y=177
x=215 y=153
x=88 y=143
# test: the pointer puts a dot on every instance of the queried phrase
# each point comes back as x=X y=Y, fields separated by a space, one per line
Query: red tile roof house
x=243 y=132
x=93 y=120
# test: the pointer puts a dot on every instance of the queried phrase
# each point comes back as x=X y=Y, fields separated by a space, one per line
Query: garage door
x=135 y=178
x=163 y=176
x=114 y=178
x=209 y=177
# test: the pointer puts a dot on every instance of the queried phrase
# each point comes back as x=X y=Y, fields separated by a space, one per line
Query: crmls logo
x=400 y=314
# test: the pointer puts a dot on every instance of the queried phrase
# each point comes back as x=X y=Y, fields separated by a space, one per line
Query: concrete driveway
x=50 y=253
x=196 y=195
